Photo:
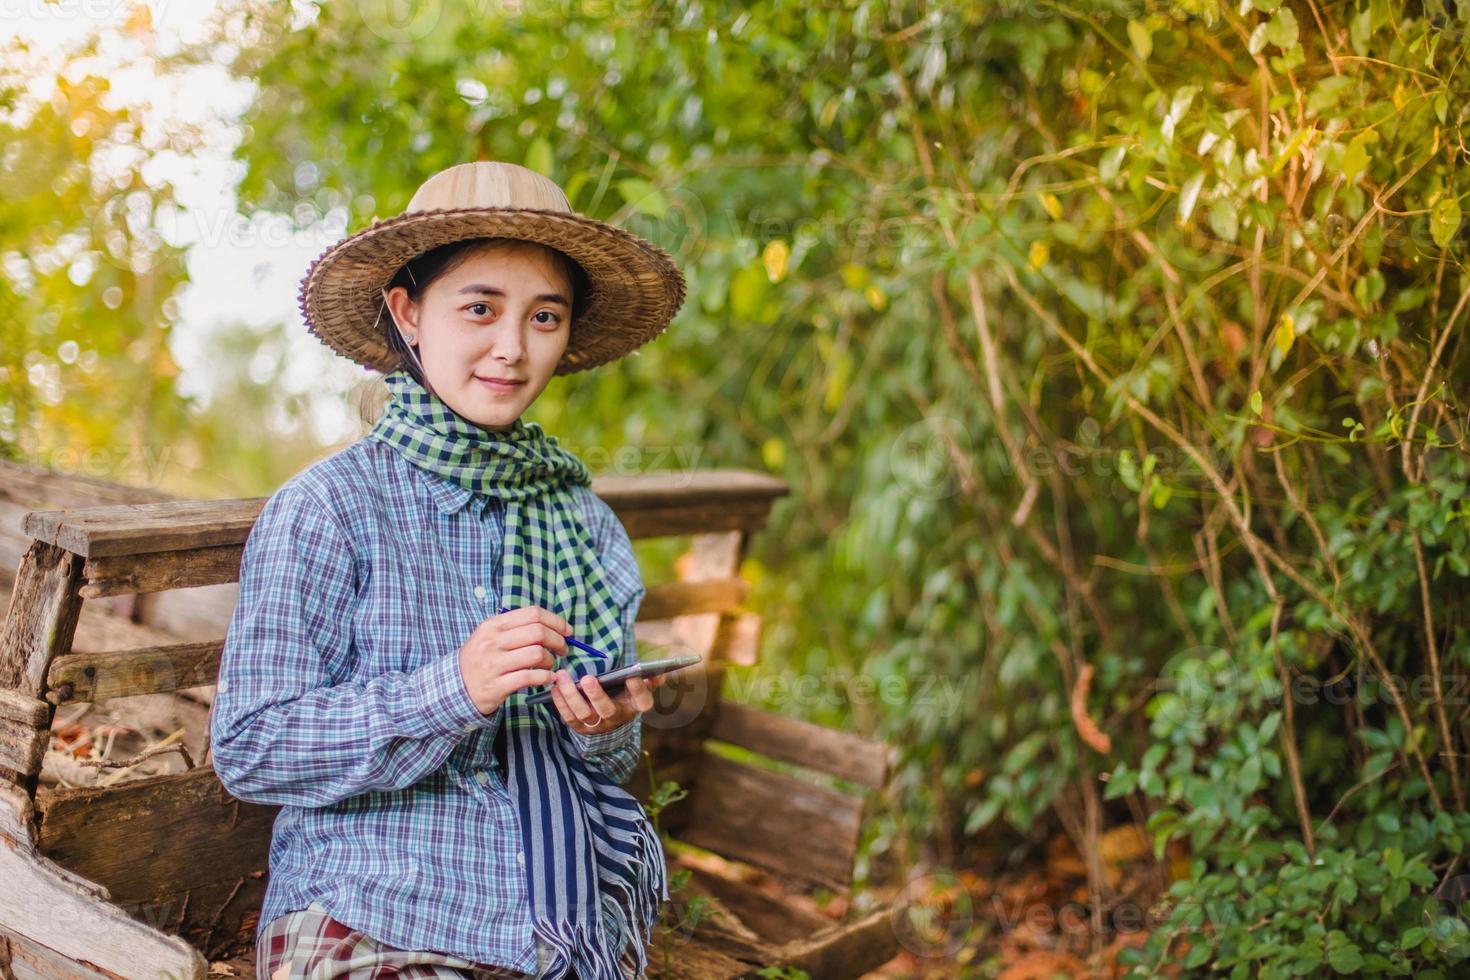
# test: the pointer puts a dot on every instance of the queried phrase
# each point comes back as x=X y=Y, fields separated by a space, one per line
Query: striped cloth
x=340 y=701
x=594 y=862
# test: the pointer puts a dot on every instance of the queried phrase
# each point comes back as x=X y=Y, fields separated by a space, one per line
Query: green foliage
x=87 y=275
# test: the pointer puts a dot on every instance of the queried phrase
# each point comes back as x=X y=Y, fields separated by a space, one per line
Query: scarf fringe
x=646 y=899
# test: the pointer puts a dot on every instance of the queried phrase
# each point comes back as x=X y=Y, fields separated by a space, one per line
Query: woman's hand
x=592 y=711
x=509 y=652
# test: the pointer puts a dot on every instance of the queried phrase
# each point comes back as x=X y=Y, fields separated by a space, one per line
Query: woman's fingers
x=601 y=701
x=534 y=634
x=528 y=615
x=639 y=692
x=560 y=700
x=579 y=708
x=587 y=701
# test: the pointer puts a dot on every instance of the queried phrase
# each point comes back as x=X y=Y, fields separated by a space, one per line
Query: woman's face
x=503 y=314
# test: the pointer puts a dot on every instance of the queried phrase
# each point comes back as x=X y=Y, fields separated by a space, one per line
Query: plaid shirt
x=340 y=700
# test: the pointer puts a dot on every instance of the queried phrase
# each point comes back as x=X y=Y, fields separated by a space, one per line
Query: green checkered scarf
x=595 y=869
x=549 y=558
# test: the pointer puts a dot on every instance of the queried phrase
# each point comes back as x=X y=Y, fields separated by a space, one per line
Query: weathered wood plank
x=653 y=504
x=132 y=529
x=691 y=501
x=26 y=488
x=826 y=750
x=24 y=731
x=769 y=917
x=27 y=959
x=706 y=952
x=669 y=599
x=42 y=618
x=155 y=837
x=47 y=907
x=775 y=821
x=845 y=952
x=23 y=709
x=161 y=571
x=670 y=521
x=40 y=623
x=124 y=673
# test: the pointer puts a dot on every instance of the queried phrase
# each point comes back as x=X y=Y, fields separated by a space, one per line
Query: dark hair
x=419 y=272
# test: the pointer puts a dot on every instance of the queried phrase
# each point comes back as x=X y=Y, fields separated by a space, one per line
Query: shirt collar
x=450 y=497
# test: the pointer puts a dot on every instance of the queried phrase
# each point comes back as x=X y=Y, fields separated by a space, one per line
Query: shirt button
x=469 y=728
x=520 y=857
x=482 y=777
x=479 y=592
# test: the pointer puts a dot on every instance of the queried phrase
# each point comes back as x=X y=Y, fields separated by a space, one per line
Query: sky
x=228 y=255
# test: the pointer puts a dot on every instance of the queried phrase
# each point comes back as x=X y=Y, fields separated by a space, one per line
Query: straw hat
x=636 y=288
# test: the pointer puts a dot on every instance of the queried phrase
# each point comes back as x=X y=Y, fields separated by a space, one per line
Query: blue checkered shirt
x=340 y=700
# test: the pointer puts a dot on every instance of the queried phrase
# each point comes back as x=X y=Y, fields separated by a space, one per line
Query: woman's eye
x=554 y=318
x=483 y=306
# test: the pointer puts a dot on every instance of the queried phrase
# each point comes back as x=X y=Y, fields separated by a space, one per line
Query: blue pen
x=575 y=642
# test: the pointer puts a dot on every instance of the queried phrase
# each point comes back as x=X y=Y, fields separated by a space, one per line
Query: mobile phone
x=614 y=680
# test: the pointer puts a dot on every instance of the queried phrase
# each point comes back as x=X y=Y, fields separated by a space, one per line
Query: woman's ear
x=405 y=313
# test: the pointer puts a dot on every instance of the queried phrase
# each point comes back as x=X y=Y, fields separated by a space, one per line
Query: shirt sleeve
x=281 y=730
x=615 y=753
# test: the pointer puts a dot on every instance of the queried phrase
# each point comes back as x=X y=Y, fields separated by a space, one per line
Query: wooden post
x=41 y=623
x=710 y=557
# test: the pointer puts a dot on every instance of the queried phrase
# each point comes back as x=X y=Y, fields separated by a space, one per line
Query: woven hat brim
x=636 y=287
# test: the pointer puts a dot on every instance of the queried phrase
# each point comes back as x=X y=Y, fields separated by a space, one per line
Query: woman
x=431 y=824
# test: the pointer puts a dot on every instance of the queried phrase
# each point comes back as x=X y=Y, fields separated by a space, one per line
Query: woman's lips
x=498 y=386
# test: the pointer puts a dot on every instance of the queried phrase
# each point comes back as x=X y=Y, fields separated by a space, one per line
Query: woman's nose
x=507 y=345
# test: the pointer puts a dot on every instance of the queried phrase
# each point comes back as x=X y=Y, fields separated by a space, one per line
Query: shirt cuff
x=444 y=701
x=606 y=741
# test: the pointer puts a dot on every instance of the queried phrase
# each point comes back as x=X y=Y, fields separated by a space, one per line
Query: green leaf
x=1258 y=38
x=1188 y=196
x=1444 y=220
x=1109 y=163
x=643 y=196
x=1142 y=39
x=1281 y=29
x=1224 y=219
x=1285 y=334
x=1256 y=401
x=1345 y=959
x=1289 y=150
x=1355 y=158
